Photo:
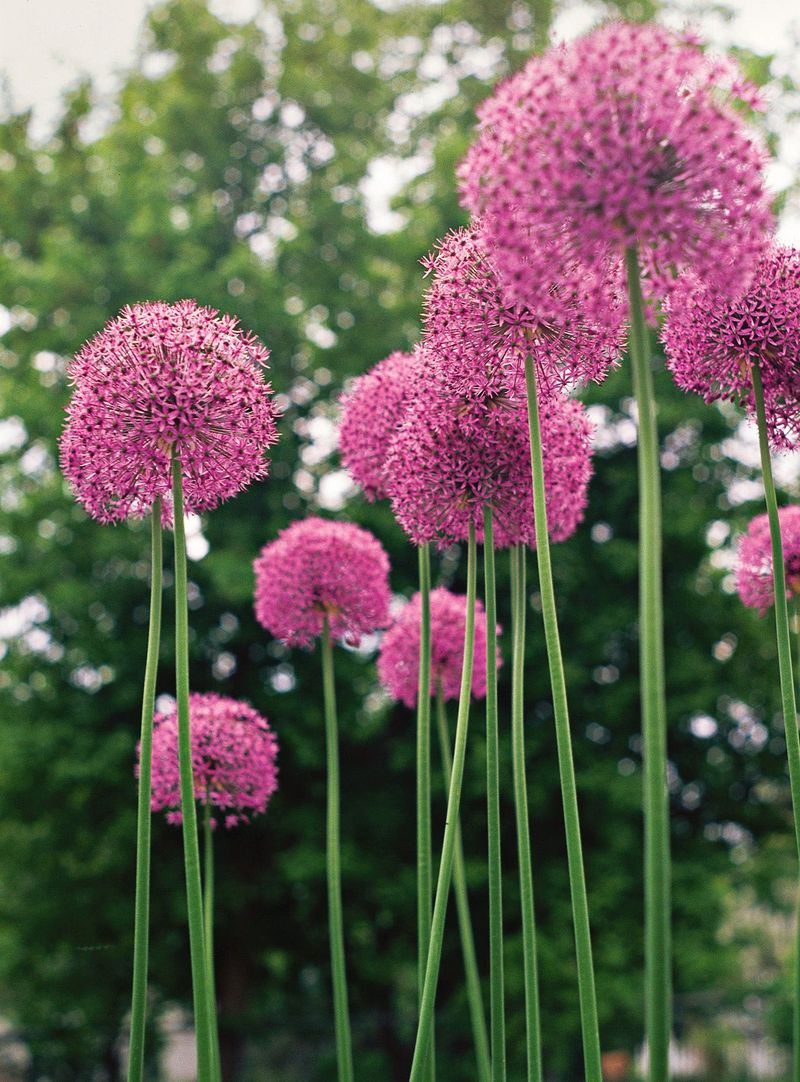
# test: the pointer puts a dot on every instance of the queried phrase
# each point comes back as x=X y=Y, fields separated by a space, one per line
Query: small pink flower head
x=398 y=661
x=450 y=459
x=317 y=569
x=754 y=570
x=164 y=379
x=711 y=344
x=234 y=754
x=371 y=412
x=480 y=340
x=629 y=136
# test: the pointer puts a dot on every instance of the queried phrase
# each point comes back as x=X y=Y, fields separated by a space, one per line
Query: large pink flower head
x=318 y=569
x=371 y=412
x=754 y=580
x=398 y=661
x=711 y=345
x=162 y=380
x=234 y=754
x=450 y=459
x=480 y=339
x=629 y=136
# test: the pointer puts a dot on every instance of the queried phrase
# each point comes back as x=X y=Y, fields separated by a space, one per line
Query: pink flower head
x=449 y=459
x=398 y=661
x=370 y=415
x=317 y=569
x=164 y=379
x=628 y=136
x=233 y=759
x=754 y=569
x=711 y=345
x=480 y=340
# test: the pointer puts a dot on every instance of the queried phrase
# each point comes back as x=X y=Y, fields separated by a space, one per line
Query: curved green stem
x=203 y=1005
x=658 y=945
x=496 y=977
x=425 y=1026
x=344 y=1051
x=208 y=928
x=474 y=997
x=533 y=1030
x=143 y=821
x=569 y=792
x=424 y=844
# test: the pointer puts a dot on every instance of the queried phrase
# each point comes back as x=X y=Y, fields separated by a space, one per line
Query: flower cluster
x=754 y=580
x=398 y=662
x=318 y=570
x=234 y=754
x=712 y=345
x=163 y=380
x=629 y=136
x=371 y=413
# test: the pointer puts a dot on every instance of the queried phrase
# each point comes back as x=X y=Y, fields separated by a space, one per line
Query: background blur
x=291 y=163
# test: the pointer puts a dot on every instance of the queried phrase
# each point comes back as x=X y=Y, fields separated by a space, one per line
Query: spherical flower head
x=754 y=580
x=452 y=458
x=481 y=339
x=629 y=136
x=711 y=345
x=317 y=570
x=234 y=753
x=398 y=661
x=371 y=412
x=163 y=380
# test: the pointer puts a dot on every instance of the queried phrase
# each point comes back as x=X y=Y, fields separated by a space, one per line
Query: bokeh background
x=291 y=162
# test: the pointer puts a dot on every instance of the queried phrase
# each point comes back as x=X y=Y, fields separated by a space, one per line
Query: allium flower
x=162 y=379
x=371 y=413
x=449 y=459
x=754 y=580
x=317 y=568
x=398 y=661
x=480 y=340
x=711 y=345
x=628 y=136
x=233 y=759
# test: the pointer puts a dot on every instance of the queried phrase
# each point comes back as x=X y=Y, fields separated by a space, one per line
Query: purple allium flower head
x=164 y=378
x=754 y=580
x=451 y=458
x=628 y=136
x=711 y=344
x=317 y=568
x=480 y=340
x=398 y=661
x=371 y=412
x=234 y=754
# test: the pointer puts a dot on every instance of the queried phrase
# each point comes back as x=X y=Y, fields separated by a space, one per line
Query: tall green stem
x=142 y=896
x=477 y=1017
x=424 y=845
x=425 y=1026
x=566 y=768
x=208 y=927
x=344 y=1051
x=496 y=979
x=203 y=1005
x=796 y=988
x=658 y=945
x=532 y=1018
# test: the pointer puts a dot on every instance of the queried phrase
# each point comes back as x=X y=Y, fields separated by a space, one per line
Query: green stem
x=569 y=792
x=658 y=945
x=425 y=1026
x=796 y=990
x=191 y=850
x=424 y=844
x=344 y=1051
x=143 y=821
x=473 y=980
x=496 y=992
x=533 y=1029
x=208 y=928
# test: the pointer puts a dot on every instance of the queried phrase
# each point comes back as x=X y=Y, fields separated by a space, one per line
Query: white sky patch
x=197 y=545
x=386 y=177
x=12 y=434
x=19 y=619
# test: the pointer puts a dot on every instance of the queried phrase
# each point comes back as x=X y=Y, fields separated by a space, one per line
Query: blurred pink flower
x=754 y=569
